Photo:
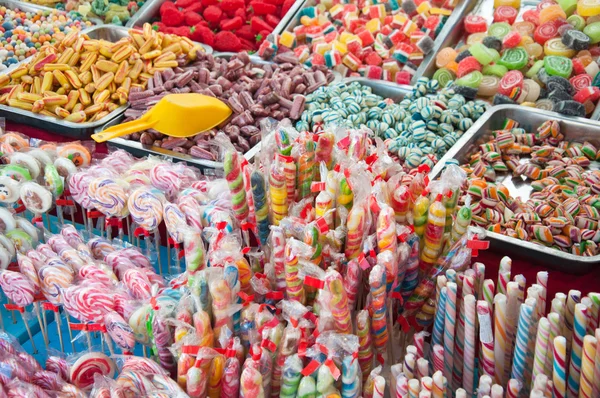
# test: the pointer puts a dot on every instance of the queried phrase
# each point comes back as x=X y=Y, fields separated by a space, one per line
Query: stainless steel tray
x=574 y=128
x=461 y=10
x=63 y=127
x=29 y=6
x=454 y=36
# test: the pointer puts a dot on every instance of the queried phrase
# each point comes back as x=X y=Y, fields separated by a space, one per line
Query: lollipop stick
x=59 y=212
x=35 y=351
x=121 y=232
x=157 y=246
x=101 y=228
x=45 y=323
x=70 y=332
x=144 y=351
x=168 y=255
x=36 y=306
x=48 y=223
x=72 y=211
x=58 y=327
x=89 y=340
x=177 y=262
x=108 y=343
x=12 y=313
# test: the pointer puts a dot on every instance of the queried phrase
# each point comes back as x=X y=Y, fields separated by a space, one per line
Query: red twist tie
x=375 y=208
x=246 y=226
x=372 y=253
x=322 y=225
x=50 y=307
x=181 y=254
x=426 y=180
x=14 y=307
x=311 y=317
x=371 y=159
x=37 y=221
x=294 y=322
x=363 y=263
x=397 y=296
x=246 y=298
x=313 y=282
x=96 y=327
x=354 y=356
x=230 y=353
x=190 y=349
x=302 y=346
x=344 y=142
x=246 y=250
x=337 y=168
x=140 y=231
x=423 y=168
x=94 y=214
x=404 y=323
x=274 y=296
x=64 y=202
x=221 y=225
x=20 y=209
x=269 y=345
x=311 y=368
x=318 y=186
x=475 y=245
x=315 y=137
x=79 y=326
x=306 y=211
x=380 y=359
x=259 y=275
x=335 y=372
x=285 y=159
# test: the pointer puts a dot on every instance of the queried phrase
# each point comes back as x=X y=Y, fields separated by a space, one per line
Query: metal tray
x=29 y=6
x=455 y=35
x=574 y=128
x=461 y=10
x=63 y=127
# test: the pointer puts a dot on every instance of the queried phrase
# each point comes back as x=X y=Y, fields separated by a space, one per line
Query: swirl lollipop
x=54 y=278
x=87 y=303
x=146 y=207
x=83 y=370
x=109 y=197
x=175 y=222
x=138 y=284
x=20 y=290
x=119 y=331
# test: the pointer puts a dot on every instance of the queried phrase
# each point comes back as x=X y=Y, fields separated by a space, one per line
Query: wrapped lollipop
x=277 y=240
x=358 y=217
x=462 y=221
x=307 y=387
x=231 y=378
x=251 y=382
x=171 y=178
x=306 y=165
x=28 y=162
x=35 y=198
x=277 y=191
x=235 y=179
x=399 y=198
x=420 y=213
x=175 y=222
x=261 y=207
x=89 y=364
x=338 y=302
x=379 y=309
x=350 y=377
x=109 y=196
x=434 y=234
x=197 y=375
x=9 y=190
x=145 y=205
x=120 y=331
x=386 y=230
x=20 y=290
x=294 y=251
x=79 y=154
x=287 y=347
x=193 y=247
x=291 y=375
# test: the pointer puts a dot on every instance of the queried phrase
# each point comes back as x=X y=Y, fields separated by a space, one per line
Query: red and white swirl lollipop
x=17 y=287
x=88 y=302
x=137 y=283
x=120 y=331
x=83 y=370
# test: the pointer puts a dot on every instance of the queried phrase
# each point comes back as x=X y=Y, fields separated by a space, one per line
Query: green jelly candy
x=499 y=29
x=444 y=76
x=558 y=66
x=514 y=58
x=596 y=81
x=532 y=72
x=593 y=31
x=568 y=6
x=483 y=54
x=472 y=79
x=577 y=22
x=495 y=70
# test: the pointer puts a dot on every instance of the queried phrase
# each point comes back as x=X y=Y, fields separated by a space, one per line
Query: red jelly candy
x=578 y=67
x=403 y=77
x=513 y=79
x=373 y=59
x=545 y=32
x=590 y=93
x=545 y=3
x=475 y=24
x=318 y=59
x=532 y=16
x=505 y=14
x=366 y=37
x=512 y=39
x=374 y=72
x=468 y=65
x=581 y=81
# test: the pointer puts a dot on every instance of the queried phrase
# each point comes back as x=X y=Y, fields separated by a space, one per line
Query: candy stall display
x=540 y=54
x=117 y=12
x=254 y=90
x=380 y=41
x=389 y=111
x=89 y=75
x=26 y=28
x=227 y=26
x=531 y=182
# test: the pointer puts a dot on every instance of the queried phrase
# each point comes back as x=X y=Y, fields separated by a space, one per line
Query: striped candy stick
x=504 y=275
x=541 y=348
x=522 y=343
x=586 y=382
x=488 y=292
x=559 y=374
x=542 y=280
x=512 y=315
x=438 y=323
x=500 y=338
x=449 y=326
x=555 y=330
x=513 y=389
x=486 y=338
x=573 y=298
x=468 y=287
x=579 y=329
x=469 y=344
x=596 y=383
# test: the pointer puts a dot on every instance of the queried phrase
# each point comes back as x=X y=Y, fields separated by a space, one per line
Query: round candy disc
x=35 y=197
x=514 y=58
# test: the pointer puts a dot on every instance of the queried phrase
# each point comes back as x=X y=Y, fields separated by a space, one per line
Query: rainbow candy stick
x=365 y=345
x=504 y=274
x=312 y=237
x=291 y=376
x=559 y=375
x=462 y=222
x=520 y=358
x=449 y=326
x=438 y=324
x=487 y=292
x=338 y=303
x=215 y=376
x=356 y=229
x=278 y=256
x=434 y=234
x=579 y=330
x=411 y=276
x=596 y=383
x=541 y=347
x=277 y=192
x=378 y=303
x=350 y=377
x=420 y=211
x=261 y=207
x=231 y=378
x=352 y=280
x=555 y=330
x=469 y=344
x=306 y=169
x=235 y=179
x=400 y=202
x=294 y=285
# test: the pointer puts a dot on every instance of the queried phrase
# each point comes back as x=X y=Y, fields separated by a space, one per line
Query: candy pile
x=253 y=92
x=84 y=80
x=418 y=130
x=547 y=60
x=523 y=350
x=117 y=12
x=24 y=33
x=561 y=212
x=228 y=25
x=74 y=376
x=379 y=41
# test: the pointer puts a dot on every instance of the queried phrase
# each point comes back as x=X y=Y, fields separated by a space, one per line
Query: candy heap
x=84 y=80
x=378 y=41
x=418 y=130
x=24 y=33
x=561 y=212
x=115 y=12
x=546 y=60
x=229 y=25
x=523 y=349
x=253 y=92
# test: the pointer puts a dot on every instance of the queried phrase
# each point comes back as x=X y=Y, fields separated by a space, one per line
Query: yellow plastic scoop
x=175 y=115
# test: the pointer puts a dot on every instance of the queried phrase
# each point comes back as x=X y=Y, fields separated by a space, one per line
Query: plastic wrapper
x=359 y=216
x=369 y=387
